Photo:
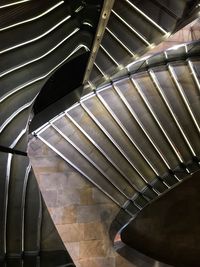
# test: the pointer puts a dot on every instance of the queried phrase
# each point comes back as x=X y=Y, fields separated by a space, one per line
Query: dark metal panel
x=144 y=90
x=178 y=108
x=133 y=123
x=120 y=140
x=14 y=231
x=18 y=123
x=33 y=217
x=32 y=51
x=33 y=30
x=4 y=181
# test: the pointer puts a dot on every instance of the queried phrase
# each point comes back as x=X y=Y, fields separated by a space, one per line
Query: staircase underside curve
x=36 y=39
x=134 y=28
x=138 y=137
x=50 y=35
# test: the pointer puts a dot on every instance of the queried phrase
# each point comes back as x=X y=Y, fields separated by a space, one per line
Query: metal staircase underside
x=135 y=27
x=138 y=136
x=109 y=137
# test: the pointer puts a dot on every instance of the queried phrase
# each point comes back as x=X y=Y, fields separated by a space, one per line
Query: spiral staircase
x=134 y=133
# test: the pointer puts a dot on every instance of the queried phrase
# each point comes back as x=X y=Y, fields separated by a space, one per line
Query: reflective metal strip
x=77 y=169
x=17 y=112
x=18 y=138
x=109 y=137
x=97 y=146
x=88 y=158
x=7 y=180
x=15 y=3
x=28 y=169
x=39 y=221
x=78 y=9
x=100 y=70
x=143 y=128
x=178 y=154
x=109 y=55
x=41 y=57
x=103 y=20
x=44 y=76
x=133 y=142
x=91 y=84
x=32 y=19
x=88 y=24
x=148 y=18
x=194 y=74
x=36 y=38
x=120 y=42
x=131 y=28
x=126 y=133
x=171 y=111
x=184 y=97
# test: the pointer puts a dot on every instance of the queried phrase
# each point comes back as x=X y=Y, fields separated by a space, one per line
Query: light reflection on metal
x=145 y=131
x=28 y=169
x=88 y=159
x=132 y=29
x=104 y=16
x=36 y=38
x=109 y=55
x=126 y=133
x=78 y=9
x=133 y=142
x=184 y=97
x=95 y=144
x=148 y=18
x=108 y=136
x=32 y=19
x=42 y=56
x=139 y=60
x=166 y=184
x=8 y=169
x=88 y=96
x=44 y=76
x=41 y=129
x=9 y=119
x=88 y=24
x=100 y=70
x=91 y=140
x=91 y=84
x=147 y=134
x=159 y=88
x=160 y=125
x=194 y=74
x=14 y=3
x=77 y=168
x=18 y=138
x=120 y=42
